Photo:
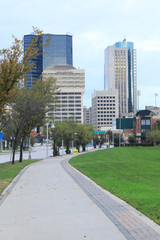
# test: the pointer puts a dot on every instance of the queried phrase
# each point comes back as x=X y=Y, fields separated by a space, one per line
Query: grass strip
x=8 y=171
x=131 y=173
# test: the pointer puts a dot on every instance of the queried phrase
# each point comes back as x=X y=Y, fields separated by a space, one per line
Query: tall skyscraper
x=57 y=52
x=120 y=72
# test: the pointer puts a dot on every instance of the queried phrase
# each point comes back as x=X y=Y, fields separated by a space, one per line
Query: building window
x=143 y=122
x=148 y=122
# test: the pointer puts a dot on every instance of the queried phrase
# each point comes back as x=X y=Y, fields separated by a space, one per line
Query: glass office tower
x=57 y=52
x=120 y=73
x=36 y=71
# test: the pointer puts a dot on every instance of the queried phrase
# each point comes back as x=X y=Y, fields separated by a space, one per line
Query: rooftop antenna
x=124 y=40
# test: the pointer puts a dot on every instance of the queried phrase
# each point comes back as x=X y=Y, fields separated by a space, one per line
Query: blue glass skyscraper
x=36 y=71
x=57 y=52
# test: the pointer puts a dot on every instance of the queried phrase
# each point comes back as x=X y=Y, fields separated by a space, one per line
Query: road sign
x=1 y=135
x=98 y=132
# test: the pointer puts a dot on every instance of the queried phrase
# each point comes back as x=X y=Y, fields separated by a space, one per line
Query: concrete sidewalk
x=47 y=203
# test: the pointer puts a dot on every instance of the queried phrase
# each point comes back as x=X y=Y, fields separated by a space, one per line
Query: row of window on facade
x=110 y=116
x=70 y=113
x=107 y=101
x=145 y=122
x=104 y=123
x=106 y=109
x=66 y=118
x=70 y=97
x=106 y=105
x=104 y=97
x=69 y=93
x=102 y=112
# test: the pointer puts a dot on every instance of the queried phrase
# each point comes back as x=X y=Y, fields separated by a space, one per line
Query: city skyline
x=94 y=27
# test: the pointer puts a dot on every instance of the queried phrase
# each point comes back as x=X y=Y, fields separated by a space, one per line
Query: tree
x=83 y=135
x=70 y=131
x=116 y=140
x=131 y=139
x=14 y=65
x=63 y=131
x=153 y=136
x=95 y=140
x=98 y=139
x=29 y=108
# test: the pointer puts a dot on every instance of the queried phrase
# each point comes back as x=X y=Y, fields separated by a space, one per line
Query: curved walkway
x=133 y=224
x=47 y=203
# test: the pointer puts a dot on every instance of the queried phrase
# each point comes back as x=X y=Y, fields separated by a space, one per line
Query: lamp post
x=156 y=95
x=11 y=148
x=72 y=146
x=29 y=147
x=47 y=124
x=138 y=95
x=47 y=141
x=62 y=145
x=120 y=128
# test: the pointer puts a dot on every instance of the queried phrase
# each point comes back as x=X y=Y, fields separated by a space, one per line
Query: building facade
x=71 y=82
x=36 y=71
x=139 y=125
x=87 y=116
x=104 y=109
x=58 y=51
x=120 y=72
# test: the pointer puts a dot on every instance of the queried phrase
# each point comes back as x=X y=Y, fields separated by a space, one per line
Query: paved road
x=37 y=152
x=53 y=201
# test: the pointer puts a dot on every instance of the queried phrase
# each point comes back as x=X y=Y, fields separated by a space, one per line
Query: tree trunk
x=14 y=147
x=68 y=150
x=21 y=151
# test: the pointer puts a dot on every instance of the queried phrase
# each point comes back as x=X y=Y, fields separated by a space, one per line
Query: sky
x=94 y=25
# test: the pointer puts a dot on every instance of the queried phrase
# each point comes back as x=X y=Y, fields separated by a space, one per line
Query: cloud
x=152 y=44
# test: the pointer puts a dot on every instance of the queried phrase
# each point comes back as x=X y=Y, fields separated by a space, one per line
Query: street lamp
x=73 y=140
x=156 y=95
x=29 y=147
x=47 y=124
x=62 y=145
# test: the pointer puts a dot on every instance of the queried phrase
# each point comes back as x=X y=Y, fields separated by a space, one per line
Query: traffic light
x=4 y=112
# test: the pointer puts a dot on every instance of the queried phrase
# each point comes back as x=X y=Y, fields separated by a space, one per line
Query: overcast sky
x=94 y=24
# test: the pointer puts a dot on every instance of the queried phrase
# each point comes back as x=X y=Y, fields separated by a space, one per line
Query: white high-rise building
x=71 y=82
x=87 y=115
x=120 y=72
x=104 y=109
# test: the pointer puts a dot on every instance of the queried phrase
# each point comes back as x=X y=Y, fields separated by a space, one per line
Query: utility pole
x=156 y=95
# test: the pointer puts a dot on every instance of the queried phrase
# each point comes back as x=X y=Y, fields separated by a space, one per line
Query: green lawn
x=9 y=171
x=132 y=173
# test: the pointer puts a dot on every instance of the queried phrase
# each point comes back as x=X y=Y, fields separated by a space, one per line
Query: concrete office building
x=104 y=109
x=120 y=72
x=87 y=115
x=71 y=82
x=57 y=52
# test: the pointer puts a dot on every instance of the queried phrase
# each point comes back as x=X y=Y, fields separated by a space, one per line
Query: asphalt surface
x=37 y=152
